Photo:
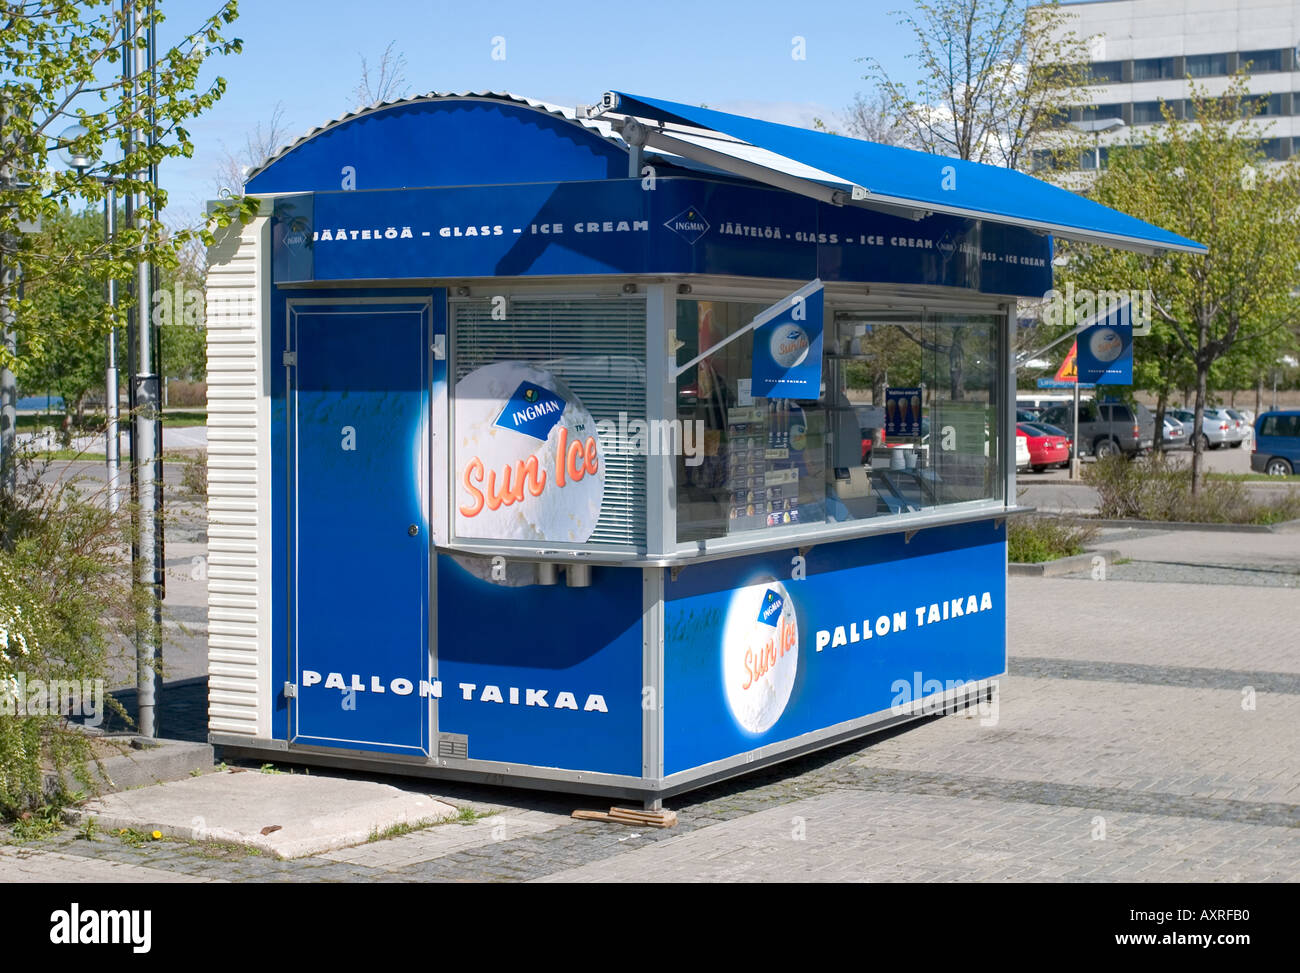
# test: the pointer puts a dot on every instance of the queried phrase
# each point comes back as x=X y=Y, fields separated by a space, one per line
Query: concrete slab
x=302 y=814
x=448 y=839
x=143 y=762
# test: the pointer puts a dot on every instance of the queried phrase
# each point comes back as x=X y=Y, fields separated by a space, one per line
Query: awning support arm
x=1095 y=319
x=634 y=132
x=780 y=307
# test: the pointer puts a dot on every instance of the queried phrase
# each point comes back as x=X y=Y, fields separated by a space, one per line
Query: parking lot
x=1148 y=730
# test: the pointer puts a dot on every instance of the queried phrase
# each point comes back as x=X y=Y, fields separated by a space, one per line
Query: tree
x=58 y=67
x=872 y=118
x=70 y=307
x=1206 y=179
x=995 y=80
x=260 y=144
x=386 y=82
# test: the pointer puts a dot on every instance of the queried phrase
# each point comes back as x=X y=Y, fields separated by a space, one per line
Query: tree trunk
x=1162 y=400
x=1259 y=395
x=1202 y=380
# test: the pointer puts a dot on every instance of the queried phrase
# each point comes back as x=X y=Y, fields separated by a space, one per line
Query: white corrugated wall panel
x=239 y=583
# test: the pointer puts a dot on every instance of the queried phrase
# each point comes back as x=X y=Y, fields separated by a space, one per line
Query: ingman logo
x=689 y=224
x=73 y=926
x=769 y=613
x=532 y=410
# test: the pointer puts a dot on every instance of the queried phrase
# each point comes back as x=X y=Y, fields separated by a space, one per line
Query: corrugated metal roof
x=601 y=127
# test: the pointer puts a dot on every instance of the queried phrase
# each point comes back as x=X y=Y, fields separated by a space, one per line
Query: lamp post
x=1098 y=127
x=81 y=161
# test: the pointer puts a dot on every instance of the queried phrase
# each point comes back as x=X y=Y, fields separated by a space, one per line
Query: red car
x=1047 y=446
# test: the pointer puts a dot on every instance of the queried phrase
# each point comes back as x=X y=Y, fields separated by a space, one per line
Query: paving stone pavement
x=1123 y=711
x=1203 y=557
x=433 y=843
x=1236 y=627
x=850 y=836
x=38 y=865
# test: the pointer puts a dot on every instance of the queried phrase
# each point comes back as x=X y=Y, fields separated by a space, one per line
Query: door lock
x=413 y=529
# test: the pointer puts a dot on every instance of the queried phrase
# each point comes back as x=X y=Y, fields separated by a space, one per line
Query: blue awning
x=892 y=178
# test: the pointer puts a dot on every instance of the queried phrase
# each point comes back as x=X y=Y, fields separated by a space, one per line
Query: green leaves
x=1207 y=180
x=1227 y=312
x=59 y=65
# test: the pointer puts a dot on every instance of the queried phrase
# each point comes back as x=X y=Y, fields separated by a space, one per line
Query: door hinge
x=290 y=359
x=290 y=690
x=439 y=347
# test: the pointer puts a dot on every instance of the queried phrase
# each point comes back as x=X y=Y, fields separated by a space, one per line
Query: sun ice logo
x=760 y=654
x=789 y=346
x=1106 y=345
x=532 y=410
x=689 y=224
x=770 y=613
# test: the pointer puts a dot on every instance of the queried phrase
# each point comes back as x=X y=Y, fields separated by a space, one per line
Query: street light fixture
x=81 y=161
x=1098 y=127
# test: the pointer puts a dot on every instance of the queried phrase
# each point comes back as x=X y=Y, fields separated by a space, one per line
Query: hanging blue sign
x=1106 y=349
x=613 y=226
x=788 y=349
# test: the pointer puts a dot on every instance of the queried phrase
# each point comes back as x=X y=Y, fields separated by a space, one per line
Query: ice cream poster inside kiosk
x=545 y=447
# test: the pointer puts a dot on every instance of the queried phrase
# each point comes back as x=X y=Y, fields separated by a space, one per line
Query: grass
x=136 y=838
x=466 y=815
x=36 y=825
x=219 y=850
x=36 y=421
x=1251 y=478
x=169 y=455
x=1033 y=540
x=404 y=827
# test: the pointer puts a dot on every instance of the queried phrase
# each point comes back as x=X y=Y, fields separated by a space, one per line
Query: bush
x=1031 y=540
x=1159 y=487
x=66 y=606
x=181 y=394
x=194 y=476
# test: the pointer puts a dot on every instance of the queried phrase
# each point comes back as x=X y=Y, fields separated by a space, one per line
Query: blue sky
x=733 y=56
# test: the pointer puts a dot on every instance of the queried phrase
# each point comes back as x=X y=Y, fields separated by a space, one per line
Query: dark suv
x=1277 y=443
x=1107 y=428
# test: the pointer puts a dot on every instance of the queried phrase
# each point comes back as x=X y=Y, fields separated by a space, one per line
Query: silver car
x=1235 y=433
x=1176 y=434
x=1245 y=424
x=1214 y=431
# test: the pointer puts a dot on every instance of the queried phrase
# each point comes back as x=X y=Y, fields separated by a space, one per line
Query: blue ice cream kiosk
x=560 y=448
